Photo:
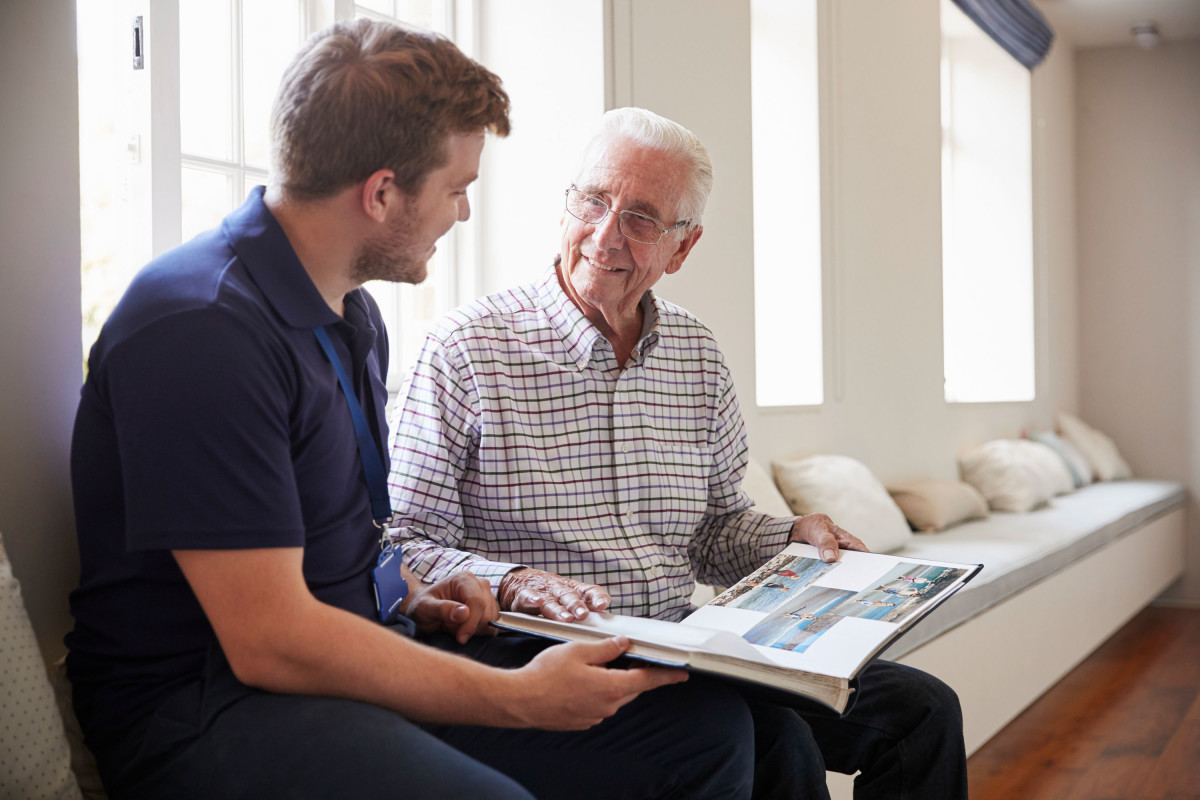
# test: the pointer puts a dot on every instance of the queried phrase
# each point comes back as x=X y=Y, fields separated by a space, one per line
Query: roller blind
x=1015 y=25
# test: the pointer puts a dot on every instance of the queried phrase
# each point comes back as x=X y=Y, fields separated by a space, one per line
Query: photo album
x=797 y=626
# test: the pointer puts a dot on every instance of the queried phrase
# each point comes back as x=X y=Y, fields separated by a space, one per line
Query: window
x=159 y=164
x=987 y=217
x=232 y=54
x=787 y=203
x=409 y=310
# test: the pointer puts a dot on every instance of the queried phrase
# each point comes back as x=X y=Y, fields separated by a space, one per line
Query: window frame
x=154 y=185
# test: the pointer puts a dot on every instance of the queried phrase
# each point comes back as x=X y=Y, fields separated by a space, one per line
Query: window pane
x=987 y=218
x=378 y=6
x=416 y=12
x=207 y=198
x=206 y=78
x=427 y=14
x=270 y=37
x=248 y=184
x=787 y=203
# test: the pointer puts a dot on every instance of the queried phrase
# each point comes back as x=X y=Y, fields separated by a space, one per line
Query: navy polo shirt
x=211 y=419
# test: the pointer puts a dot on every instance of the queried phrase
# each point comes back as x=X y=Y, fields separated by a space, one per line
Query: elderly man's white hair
x=650 y=130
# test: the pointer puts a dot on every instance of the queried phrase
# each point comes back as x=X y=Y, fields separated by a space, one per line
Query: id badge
x=390 y=586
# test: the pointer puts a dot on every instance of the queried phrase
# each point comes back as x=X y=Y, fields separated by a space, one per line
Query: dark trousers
x=218 y=738
x=903 y=736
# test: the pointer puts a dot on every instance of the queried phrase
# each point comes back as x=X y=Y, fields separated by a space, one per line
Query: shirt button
x=656 y=570
x=625 y=448
x=629 y=512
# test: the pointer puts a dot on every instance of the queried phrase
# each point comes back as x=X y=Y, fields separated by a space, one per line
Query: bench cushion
x=1018 y=550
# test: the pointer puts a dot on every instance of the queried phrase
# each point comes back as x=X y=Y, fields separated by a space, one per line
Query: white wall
x=1139 y=262
x=884 y=398
x=40 y=350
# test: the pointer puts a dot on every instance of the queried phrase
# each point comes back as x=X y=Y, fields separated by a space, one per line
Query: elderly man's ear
x=685 y=246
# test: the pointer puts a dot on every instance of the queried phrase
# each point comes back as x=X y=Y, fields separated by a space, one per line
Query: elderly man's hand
x=532 y=591
x=822 y=533
x=461 y=604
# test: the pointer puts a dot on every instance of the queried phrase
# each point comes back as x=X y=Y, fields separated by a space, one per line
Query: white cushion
x=1077 y=464
x=761 y=488
x=35 y=761
x=1051 y=470
x=849 y=493
x=1100 y=451
x=1015 y=474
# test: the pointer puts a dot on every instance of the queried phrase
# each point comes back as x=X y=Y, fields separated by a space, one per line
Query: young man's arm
x=277 y=636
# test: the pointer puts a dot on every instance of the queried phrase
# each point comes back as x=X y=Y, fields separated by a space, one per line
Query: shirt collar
x=651 y=314
x=578 y=335
x=263 y=247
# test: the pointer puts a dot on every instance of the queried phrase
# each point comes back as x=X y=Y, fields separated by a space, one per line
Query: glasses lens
x=639 y=228
x=585 y=207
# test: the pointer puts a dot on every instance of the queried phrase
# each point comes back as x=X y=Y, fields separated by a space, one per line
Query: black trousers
x=218 y=738
x=903 y=736
x=700 y=739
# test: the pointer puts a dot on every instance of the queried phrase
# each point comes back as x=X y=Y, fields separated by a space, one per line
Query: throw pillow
x=35 y=761
x=1100 y=451
x=761 y=488
x=1077 y=464
x=846 y=490
x=1050 y=468
x=931 y=504
x=1014 y=474
x=83 y=763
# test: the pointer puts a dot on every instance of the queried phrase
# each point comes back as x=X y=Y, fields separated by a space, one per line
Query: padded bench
x=1057 y=582
x=1020 y=550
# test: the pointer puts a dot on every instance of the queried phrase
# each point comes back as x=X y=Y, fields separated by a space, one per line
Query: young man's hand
x=462 y=605
x=567 y=687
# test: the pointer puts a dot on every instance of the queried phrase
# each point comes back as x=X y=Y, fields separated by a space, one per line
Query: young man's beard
x=391 y=256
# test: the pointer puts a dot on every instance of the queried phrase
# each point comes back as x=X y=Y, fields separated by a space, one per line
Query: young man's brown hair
x=364 y=95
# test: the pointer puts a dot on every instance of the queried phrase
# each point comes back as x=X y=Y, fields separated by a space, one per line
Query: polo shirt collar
x=263 y=247
x=577 y=333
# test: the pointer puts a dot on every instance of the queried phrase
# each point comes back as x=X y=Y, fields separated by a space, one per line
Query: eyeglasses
x=634 y=226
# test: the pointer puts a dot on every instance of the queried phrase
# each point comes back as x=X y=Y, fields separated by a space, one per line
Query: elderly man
x=577 y=442
x=238 y=632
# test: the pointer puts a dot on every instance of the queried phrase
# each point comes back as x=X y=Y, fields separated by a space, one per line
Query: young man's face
x=403 y=252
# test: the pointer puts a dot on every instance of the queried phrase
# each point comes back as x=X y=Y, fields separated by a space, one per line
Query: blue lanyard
x=381 y=507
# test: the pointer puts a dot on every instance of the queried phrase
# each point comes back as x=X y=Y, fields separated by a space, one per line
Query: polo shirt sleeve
x=200 y=405
x=434 y=437
x=733 y=540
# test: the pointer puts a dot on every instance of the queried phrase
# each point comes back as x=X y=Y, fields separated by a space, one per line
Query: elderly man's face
x=602 y=271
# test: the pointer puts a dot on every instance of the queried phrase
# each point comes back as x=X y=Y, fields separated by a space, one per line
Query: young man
x=228 y=468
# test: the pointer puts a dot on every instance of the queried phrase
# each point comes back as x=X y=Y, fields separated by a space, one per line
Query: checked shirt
x=518 y=441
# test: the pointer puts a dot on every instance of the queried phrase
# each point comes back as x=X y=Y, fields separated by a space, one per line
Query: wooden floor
x=1124 y=725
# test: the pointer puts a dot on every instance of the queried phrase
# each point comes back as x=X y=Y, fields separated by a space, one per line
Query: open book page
x=651 y=632
x=802 y=613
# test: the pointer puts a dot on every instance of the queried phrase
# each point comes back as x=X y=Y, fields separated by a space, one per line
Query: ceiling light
x=1146 y=34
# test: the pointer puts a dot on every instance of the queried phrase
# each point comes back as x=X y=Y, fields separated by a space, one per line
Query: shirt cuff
x=774 y=535
x=491 y=571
